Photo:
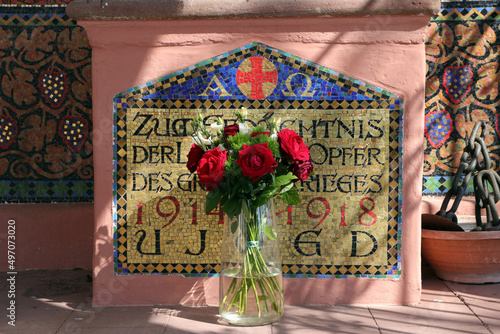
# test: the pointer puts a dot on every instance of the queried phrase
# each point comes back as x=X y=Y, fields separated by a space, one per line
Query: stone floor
x=59 y=302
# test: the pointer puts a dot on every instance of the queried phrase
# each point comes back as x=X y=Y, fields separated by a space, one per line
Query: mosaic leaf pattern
x=36 y=2
x=461 y=89
x=45 y=81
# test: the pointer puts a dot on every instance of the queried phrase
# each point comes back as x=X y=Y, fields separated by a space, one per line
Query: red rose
x=255 y=134
x=301 y=169
x=211 y=168
x=194 y=156
x=231 y=130
x=292 y=145
x=256 y=161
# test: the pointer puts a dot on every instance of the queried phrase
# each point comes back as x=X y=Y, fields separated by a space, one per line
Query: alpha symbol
x=220 y=90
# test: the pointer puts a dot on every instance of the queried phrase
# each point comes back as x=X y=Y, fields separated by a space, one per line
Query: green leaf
x=287 y=187
x=258 y=189
x=291 y=197
x=284 y=179
x=261 y=200
x=246 y=184
x=244 y=207
x=264 y=197
x=230 y=205
x=213 y=199
x=270 y=232
x=223 y=199
x=234 y=211
x=234 y=226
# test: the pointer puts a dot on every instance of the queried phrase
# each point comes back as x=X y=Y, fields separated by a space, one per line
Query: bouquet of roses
x=239 y=163
x=242 y=168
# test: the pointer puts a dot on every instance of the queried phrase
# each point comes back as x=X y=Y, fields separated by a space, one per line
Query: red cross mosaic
x=256 y=77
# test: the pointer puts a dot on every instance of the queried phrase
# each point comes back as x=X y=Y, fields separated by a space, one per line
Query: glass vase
x=251 y=281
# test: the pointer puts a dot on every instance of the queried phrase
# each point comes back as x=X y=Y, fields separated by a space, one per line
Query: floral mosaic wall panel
x=45 y=99
x=462 y=52
x=36 y=2
x=348 y=222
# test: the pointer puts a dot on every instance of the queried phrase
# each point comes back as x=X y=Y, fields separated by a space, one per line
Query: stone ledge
x=103 y=10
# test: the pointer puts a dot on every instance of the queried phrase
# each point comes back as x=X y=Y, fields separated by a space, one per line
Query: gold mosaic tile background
x=348 y=220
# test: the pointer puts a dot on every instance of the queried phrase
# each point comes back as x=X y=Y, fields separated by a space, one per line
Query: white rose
x=244 y=128
x=216 y=126
x=274 y=136
x=200 y=139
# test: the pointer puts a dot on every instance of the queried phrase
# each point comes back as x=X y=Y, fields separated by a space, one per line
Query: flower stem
x=254 y=274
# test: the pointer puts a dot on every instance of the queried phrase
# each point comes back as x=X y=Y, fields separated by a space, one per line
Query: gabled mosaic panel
x=349 y=219
x=45 y=98
x=462 y=87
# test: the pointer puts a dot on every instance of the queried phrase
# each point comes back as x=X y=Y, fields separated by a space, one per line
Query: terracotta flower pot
x=463 y=257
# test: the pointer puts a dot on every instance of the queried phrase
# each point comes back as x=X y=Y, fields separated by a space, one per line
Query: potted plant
x=457 y=255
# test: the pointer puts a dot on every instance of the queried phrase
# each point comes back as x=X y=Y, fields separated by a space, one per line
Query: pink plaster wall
x=48 y=236
x=385 y=51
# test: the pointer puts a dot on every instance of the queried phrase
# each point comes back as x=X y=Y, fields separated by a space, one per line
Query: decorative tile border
x=468 y=14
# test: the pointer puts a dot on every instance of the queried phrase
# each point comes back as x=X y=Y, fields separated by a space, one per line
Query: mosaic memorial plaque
x=349 y=220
